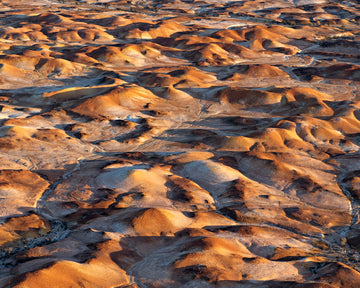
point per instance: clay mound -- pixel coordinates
(130, 177)
(37, 36)
(179, 144)
(13, 136)
(67, 36)
(184, 190)
(248, 97)
(76, 93)
(99, 129)
(197, 265)
(50, 19)
(229, 35)
(15, 231)
(317, 217)
(261, 33)
(95, 35)
(51, 135)
(276, 46)
(219, 246)
(109, 54)
(82, 58)
(256, 45)
(176, 95)
(305, 101)
(39, 50)
(352, 183)
(193, 74)
(20, 190)
(304, 93)
(112, 21)
(131, 54)
(157, 79)
(156, 222)
(287, 32)
(339, 274)
(17, 132)
(271, 140)
(142, 54)
(212, 176)
(91, 275)
(270, 245)
(58, 66)
(31, 32)
(346, 123)
(338, 71)
(343, 71)
(20, 62)
(260, 38)
(162, 29)
(328, 138)
(188, 42)
(254, 71)
(293, 177)
(183, 77)
(219, 54)
(11, 73)
(133, 24)
(119, 101)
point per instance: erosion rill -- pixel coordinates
(179, 143)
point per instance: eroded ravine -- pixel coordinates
(179, 144)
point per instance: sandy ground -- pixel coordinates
(179, 144)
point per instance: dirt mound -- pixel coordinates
(254, 71)
(179, 144)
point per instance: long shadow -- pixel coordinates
(23, 95)
(103, 206)
(136, 250)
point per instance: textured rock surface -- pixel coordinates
(179, 144)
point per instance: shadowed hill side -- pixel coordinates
(179, 144)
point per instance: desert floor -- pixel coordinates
(181, 143)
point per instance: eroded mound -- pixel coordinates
(179, 144)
